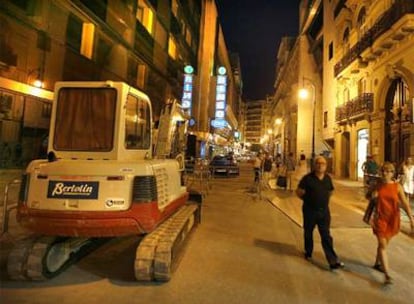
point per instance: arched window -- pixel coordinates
(346, 95)
(401, 93)
(345, 39)
(361, 27)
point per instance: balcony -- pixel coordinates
(371, 45)
(355, 108)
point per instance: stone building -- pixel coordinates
(354, 59)
(144, 43)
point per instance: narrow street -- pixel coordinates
(246, 250)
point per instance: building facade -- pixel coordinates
(371, 78)
(354, 61)
(145, 43)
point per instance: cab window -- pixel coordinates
(137, 124)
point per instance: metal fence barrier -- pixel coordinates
(6, 207)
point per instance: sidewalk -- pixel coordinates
(347, 205)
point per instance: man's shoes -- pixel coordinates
(307, 257)
(337, 265)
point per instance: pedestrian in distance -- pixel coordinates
(267, 168)
(407, 177)
(389, 196)
(370, 169)
(315, 190)
(257, 166)
(290, 170)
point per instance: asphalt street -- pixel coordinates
(247, 249)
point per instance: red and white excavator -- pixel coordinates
(105, 178)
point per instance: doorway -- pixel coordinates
(345, 154)
(362, 151)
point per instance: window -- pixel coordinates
(88, 31)
(80, 35)
(362, 86)
(174, 7)
(74, 32)
(145, 15)
(361, 22)
(401, 93)
(85, 119)
(137, 124)
(345, 40)
(172, 48)
(28, 6)
(346, 95)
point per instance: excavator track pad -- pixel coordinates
(158, 253)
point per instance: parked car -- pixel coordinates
(224, 165)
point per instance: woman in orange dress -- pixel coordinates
(386, 222)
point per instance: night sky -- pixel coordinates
(253, 29)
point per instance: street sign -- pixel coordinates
(219, 123)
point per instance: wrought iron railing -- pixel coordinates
(383, 24)
(363, 104)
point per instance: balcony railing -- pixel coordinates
(384, 23)
(360, 105)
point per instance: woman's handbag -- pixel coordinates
(369, 211)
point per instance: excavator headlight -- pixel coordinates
(144, 189)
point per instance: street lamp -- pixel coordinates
(304, 94)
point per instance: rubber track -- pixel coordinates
(157, 253)
(26, 259)
(17, 259)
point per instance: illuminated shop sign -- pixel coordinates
(187, 100)
(221, 93)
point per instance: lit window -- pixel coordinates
(188, 37)
(88, 31)
(172, 48)
(174, 7)
(145, 15)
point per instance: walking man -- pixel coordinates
(315, 189)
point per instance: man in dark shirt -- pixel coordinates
(315, 189)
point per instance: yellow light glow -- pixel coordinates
(303, 93)
(38, 83)
(278, 121)
(88, 32)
